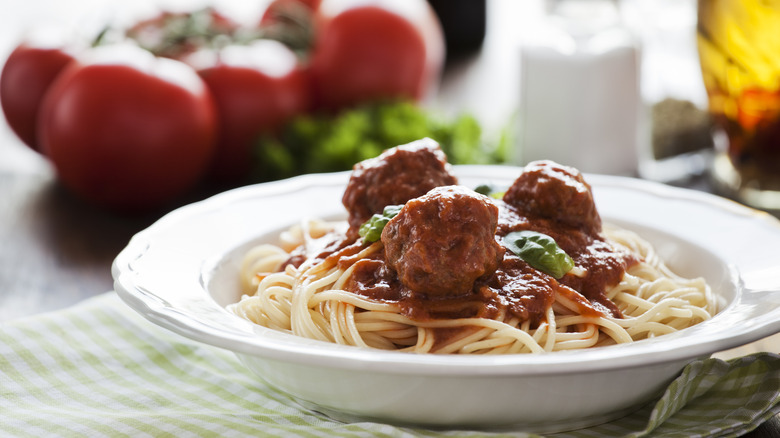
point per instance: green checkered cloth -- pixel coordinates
(99, 369)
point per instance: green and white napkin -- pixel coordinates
(100, 370)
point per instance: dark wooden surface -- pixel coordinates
(56, 251)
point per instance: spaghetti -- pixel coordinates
(309, 301)
(324, 282)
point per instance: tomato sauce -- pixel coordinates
(515, 287)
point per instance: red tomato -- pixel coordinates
(126, 130)
(257, 88)
(27, 74)
(370, 50)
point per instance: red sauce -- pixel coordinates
(604, 265)
(515, 286)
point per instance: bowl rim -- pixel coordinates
(199, 318)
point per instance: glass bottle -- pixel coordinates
(739, 52)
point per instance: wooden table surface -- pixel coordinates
(56, 251)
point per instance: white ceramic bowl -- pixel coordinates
(182, 271)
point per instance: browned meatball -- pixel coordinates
(394, 177)
(552, 191)
(441, 242)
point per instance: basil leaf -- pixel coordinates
(371, 230)
(490, 190)
(540, 251)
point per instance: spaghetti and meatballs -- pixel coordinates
(423, 264)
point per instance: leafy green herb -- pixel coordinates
(328, 143)
(371, 230)
(490, 190)
(540, 251)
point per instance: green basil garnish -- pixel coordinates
(371, 230)
(490, 190)
(540, 251)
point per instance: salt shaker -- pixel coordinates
(580, 99)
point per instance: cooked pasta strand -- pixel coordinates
(311, 301)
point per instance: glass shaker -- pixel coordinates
(677, 128)
(580, 99)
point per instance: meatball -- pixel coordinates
(559, 193)
(394, 177)
(440, 243)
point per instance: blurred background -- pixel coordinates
(483, 75)
(628, 86)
